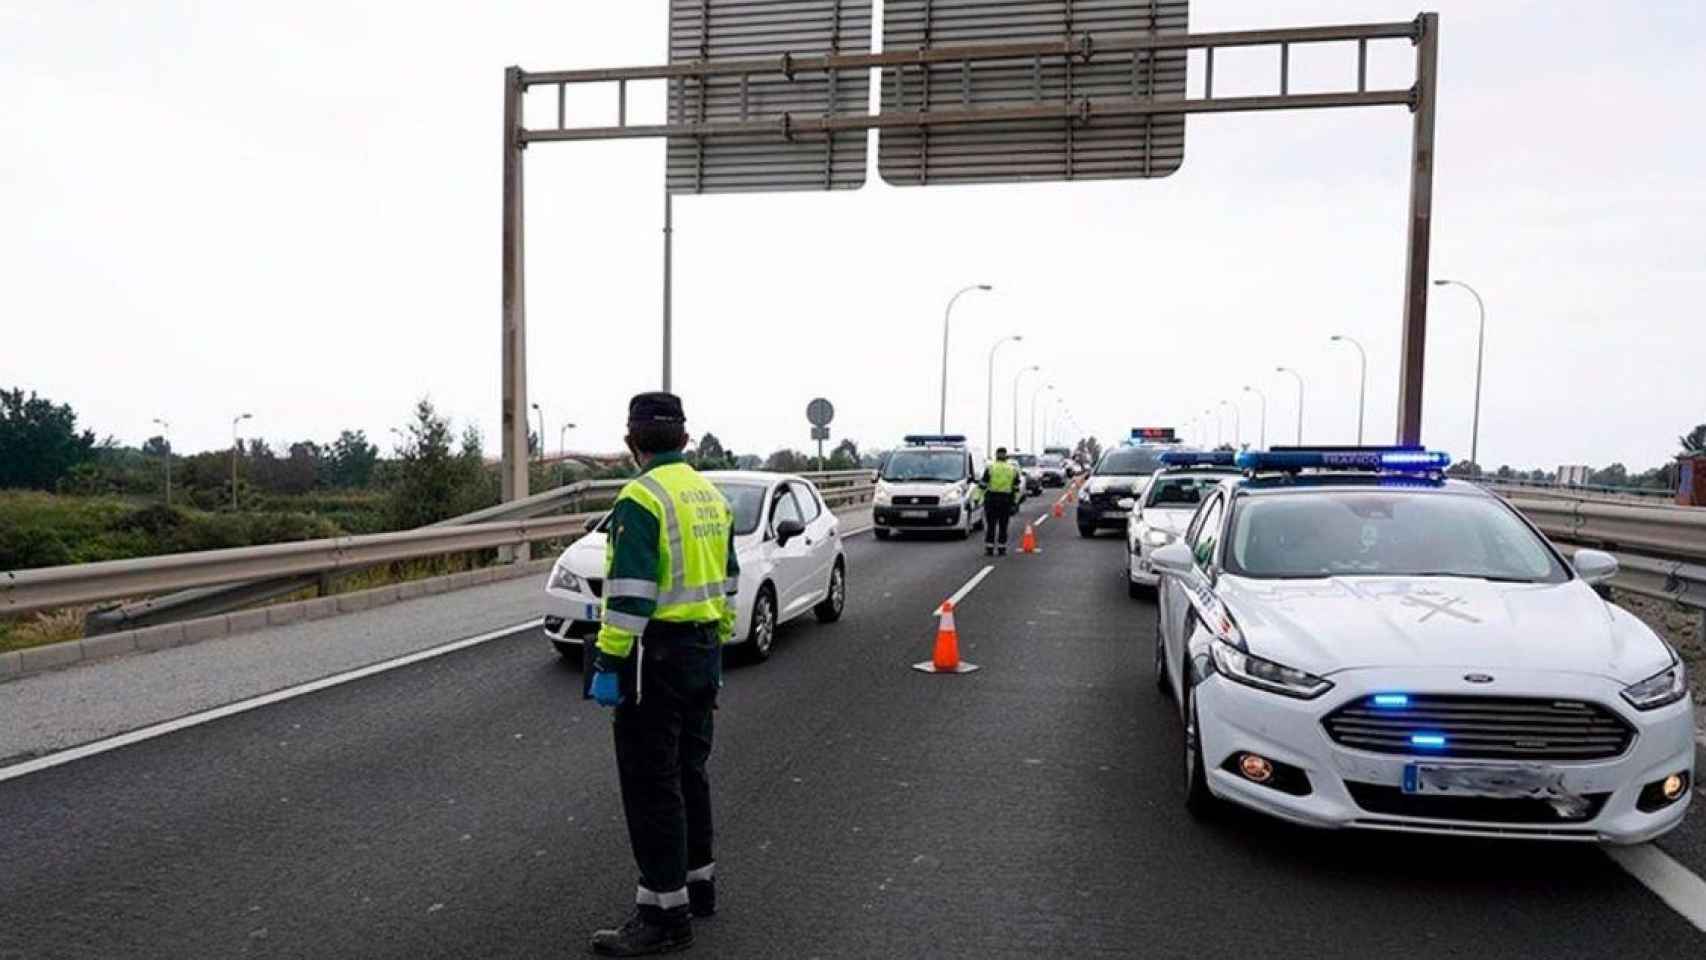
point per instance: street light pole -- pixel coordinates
(942, 419)
(541, 413)
(1480, 350)
(562, 450)
(1033, 368)
(234, 441)
(1237, 424)
(1034, 395)
(989, 427)
(1362, 388)
(1219, 426)
(1262, 443)
(167, 436)
(1299, 377)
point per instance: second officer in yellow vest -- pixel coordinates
(1000, 483)
(670, 579)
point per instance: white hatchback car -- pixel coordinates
(1398, 651)
(791, 563)
(1162, 512)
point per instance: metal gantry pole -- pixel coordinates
(1299, 377)
(512, 439)
(1414, 349)
(947, 315)
(1480, 353)
(668, 285)
(989, 426)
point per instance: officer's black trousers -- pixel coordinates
(997, 510)
(662, 745)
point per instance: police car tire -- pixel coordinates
(568, 651)
(1086, 532)
(1135, 590)
(1199, 802)
(1161, 661)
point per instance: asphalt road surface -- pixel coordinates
(466, 806)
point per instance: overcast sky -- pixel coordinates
(292, 209)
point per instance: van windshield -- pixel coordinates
(925, 466)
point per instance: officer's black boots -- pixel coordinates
(702, 897)
(649, 930)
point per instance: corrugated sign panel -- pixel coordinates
(730, 29)
(1103, 148)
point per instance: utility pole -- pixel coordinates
(234, 449)
(167, 436)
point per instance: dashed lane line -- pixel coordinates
(1674, 883)
(208, 716)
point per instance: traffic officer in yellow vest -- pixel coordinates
(670, 579)
(1000, 499)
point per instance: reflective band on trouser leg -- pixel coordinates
(672, 899)
(672, 527)
(702, 873)
(644, 897)
(639, 589)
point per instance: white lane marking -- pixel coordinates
(207, 716)
(1673, 882)
(854, 533)
(969, 587)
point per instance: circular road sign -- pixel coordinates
(820, 412)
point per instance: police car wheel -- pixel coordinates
(1198, 801)
(1161, 661)
(1086, 532)
(761, 636)
(568, 651)
(829, 609)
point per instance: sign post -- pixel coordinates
(819, 413)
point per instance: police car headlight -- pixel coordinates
(882, 497)
(562, 579)
(1253, 671)
(1158, 538)
(1659, 690)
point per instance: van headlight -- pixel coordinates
(952, 495)
(562, 579)
(882, 497)
(1660, 689)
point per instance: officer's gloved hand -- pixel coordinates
(606, 689)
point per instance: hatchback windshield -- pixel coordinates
(1026, 459)
(1051, 460)
(747, 502)
(1327, 534)
(1129, 462)
(925, 466)
(1178, 492)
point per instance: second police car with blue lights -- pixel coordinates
(1165, 508)
(1354, 640)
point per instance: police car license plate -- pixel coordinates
(1502, 782)
(915, 514)
(594, 612)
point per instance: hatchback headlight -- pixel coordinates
(1660, 689)
(1253, 671)
(1158, 538)
(562, 579)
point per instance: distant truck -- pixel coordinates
(1573, 476)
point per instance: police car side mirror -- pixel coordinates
(1595, 567)
(1175, 559)
(788, 530)
(593, 521)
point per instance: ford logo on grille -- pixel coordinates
(1478, 677)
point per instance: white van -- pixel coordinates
(929, 483)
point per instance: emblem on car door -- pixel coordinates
(1478, 678)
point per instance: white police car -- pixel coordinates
(791, 563)
(930, 483)
(1165, 507)
(1355, 641)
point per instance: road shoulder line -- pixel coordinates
(1672, 882)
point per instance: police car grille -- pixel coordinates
(1491, 728)
(919, 501)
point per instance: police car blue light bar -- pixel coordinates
(1197, 458)
(925, 439)
(1393, 459)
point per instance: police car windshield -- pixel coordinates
(747, 502)
(1129, 462)
(1025, 459)
(1385, 534)
(1177, 492)
(925, 466)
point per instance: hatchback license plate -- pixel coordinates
(1505, 783)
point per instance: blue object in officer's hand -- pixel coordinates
(605, 689)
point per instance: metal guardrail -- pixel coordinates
(1670, 533)
(259, 573)
(1535, 488)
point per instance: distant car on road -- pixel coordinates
(1112, 489)
(791, 563)
(1373, 646)
(1033, 474)
(1051, 468)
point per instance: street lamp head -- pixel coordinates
(1337, 336)
(1441, 283)
(985, 286)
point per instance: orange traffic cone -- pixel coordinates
(1028, 542)
(1059, 509)
(946, 658)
